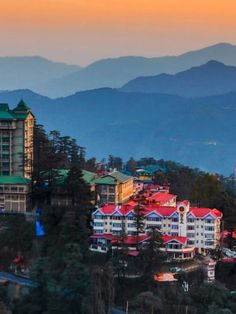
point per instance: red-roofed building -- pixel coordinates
(199, 227)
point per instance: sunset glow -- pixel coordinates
(90, 29)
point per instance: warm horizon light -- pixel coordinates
(82, 31)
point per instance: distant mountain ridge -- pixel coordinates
(211, 78)
(105, 73)
(30, 72)
(199, 132)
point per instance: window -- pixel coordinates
(98, 224)
(116, 225)
(98, 217)
(190, 235)
(175, 219)
(209, 236)
(190, 228)
(209, 221)
(153, 219)
(175, 227)
(131, 225)
(209, 243)
(190, 220)
(209, 228)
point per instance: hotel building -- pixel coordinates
(184, 229)
(16, 140)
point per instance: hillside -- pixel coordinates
(211, 78)
(118, 71)
(30, 72)
(197, 132)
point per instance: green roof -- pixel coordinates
(112, 178)
(22, 106)
(13, 180)
(4, 107)
(88, 176)
(20, 112)
(61, 175)
(6, 115)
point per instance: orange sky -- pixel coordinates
(81, 31)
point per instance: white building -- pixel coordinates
(188, 229)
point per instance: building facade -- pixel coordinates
(114, 188)
(14, 194)
(16, 140)
(187, 228)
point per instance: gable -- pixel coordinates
(153, 215)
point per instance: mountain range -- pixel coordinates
(211, 78)
(31, 72)
(199, 132)
(57, 79)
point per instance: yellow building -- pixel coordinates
(114, 188)
(16, 140)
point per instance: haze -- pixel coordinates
(82, 31)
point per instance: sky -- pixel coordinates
(82, 31)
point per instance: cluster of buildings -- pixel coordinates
(184, 230)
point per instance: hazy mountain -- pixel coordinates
(30, 72)
(197, 132)
(118, 71)
(205, 80)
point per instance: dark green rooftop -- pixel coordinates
(61, 175)
(13, 180)
(19, 113)
(22, 106)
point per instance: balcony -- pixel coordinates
(98, 248)
(180, 250)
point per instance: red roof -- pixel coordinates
(202, 212)
(132, 239)
(167, 238)
(164, 211)
(161, 197)
(102, 236)
(133, 253)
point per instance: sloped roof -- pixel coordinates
(22, 106)
(13, 180)
(167, 238)
(202, 212)
(162, 197)
(61, 175)
(113, 178)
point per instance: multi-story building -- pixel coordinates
(114, 188)
(14, 194)
(187, 228)
(59, 196)
(16, 140)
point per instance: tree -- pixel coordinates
(146, 302)
(139, 222)
(151, 257)
(102, 286)
(115, 162)
(131, 165)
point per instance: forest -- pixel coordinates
(68, 278)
